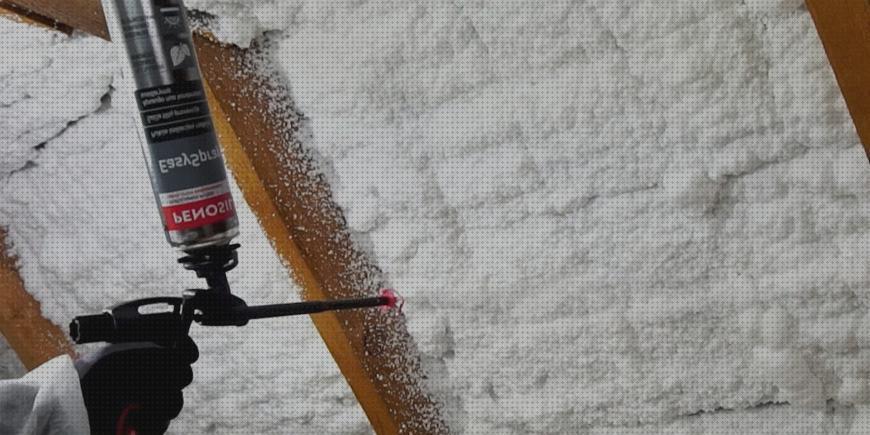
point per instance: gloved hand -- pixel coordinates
(135, 385)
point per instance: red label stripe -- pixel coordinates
(198, 213)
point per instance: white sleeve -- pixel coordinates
(47, 401)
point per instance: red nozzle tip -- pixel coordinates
(393, 300)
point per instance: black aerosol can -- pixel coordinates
(180, 145)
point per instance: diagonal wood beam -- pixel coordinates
(257, 126)
(27, 16)
(374, 351)
(844, 28)
(84, 15)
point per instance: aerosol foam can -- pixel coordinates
(180, 146)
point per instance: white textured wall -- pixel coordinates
(602, 213)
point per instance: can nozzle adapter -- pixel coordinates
(212, 263)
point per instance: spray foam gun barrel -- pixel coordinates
(165, 319)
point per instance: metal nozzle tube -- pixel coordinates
(279, 310)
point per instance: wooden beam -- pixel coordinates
(844, 28)
(257, 126)
(34, 338)
(294, 206)
(84, 15)
(16, 13)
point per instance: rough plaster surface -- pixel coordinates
(602, 213)
(605, 216)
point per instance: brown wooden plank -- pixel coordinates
(84, 15)
(294, 206)
(34, 338)
(16, 13)
(257, 126)
(844, 28)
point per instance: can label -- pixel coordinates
(187, 167)
(189, 212)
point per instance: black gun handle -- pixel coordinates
(132, 321)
